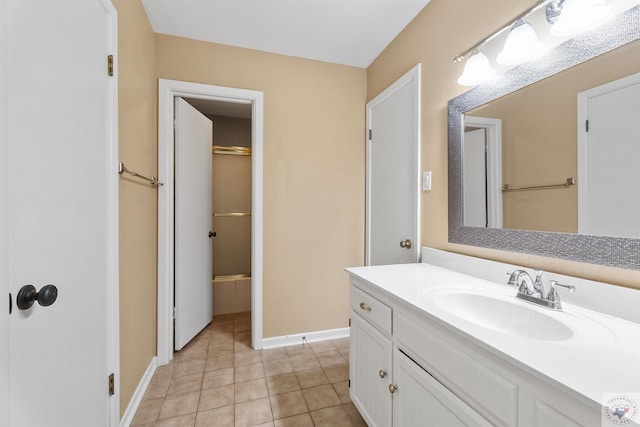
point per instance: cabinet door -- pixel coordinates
(420, 400)
(370, 372)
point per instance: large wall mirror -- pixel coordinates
(530, 168)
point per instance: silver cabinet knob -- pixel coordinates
(392, 388)
(364, 307)
(382, 373)
(406, 244)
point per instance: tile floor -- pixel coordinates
(218, 380)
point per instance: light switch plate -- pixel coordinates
(426, 181)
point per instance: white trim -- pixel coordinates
(138, 394)
(288, 340)
(113, 221)
(167, 91)
(4, 232)
(493, 128)
(583, 141)
(412, 75)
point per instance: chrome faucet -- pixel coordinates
(533, 290)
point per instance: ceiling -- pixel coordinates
(349, 32)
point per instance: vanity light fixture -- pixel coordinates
(578, 16)
(476, 70)
(522, 44)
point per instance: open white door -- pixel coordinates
(60, 223)
(393, 158)
(193, 248)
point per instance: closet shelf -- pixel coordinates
(232, 214)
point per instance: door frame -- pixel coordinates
(409, 77)
(167, 91)
(111, 188)
(583, 142)
(493, 138)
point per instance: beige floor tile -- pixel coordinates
(183, 421)
(194, 352)
(219, 417)
(302, 420)
(334, 416)
(354, 415)
(216, 397)
(295, 350)
(253, 412)
(147, 412)
(189, 368)
(342, 390)
(312, 378)
(284, 383)
(337, 373)
(247, 358)
(251, 390)
(288, 404)
(322, 346)
(185, 384)
(249, 372)
(183, 404)
(242, 326)
(219, 362)
(217, 378)
(158, 387)
(274, 353)
(277, 367)
(321, 396)
(303, 362)
(269, 424)
(220, 349)
(331, 357)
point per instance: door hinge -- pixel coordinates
(370, 133)
(112, 385)
(349, 384)
(110, 65)
(349, 321)
(174, 313)
(586, 125)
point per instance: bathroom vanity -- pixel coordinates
(435, 347)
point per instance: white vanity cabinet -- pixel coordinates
(408, 368)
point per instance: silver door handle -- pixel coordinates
(406, 244)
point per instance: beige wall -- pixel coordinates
(539, 140)
(313, 173)
(443, 28)
(231, 131)
(138, 201)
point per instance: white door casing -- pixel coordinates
(392, 172)
(167, 91)
(608, 154)
(59, 212)
(493, 139)
(474, 181)
(193, 247)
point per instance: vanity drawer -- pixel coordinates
(476, 381)
(370, 308)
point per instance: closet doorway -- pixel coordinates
(236, 218)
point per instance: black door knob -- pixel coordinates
(28, 295)
(212, 234)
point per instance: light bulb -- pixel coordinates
(578, 16)
(521, 45)
(476, 70)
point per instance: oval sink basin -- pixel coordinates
(503, 314)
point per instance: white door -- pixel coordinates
(393, 158)
(608, 150)
(59, 196)
(474, 176)
(193, 247)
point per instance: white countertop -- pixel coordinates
(603, 356)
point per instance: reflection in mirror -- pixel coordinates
(542, 115)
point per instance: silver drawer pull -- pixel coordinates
(364, 307)
(392, 388)
(382, 373)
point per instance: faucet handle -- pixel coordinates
(539, 274)
(553, 296)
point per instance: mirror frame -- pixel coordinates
(609, 251)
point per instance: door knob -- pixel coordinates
(212, 234)
(28, 295)
(406, 244)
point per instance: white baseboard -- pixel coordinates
(136, 399)
(287, 340)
